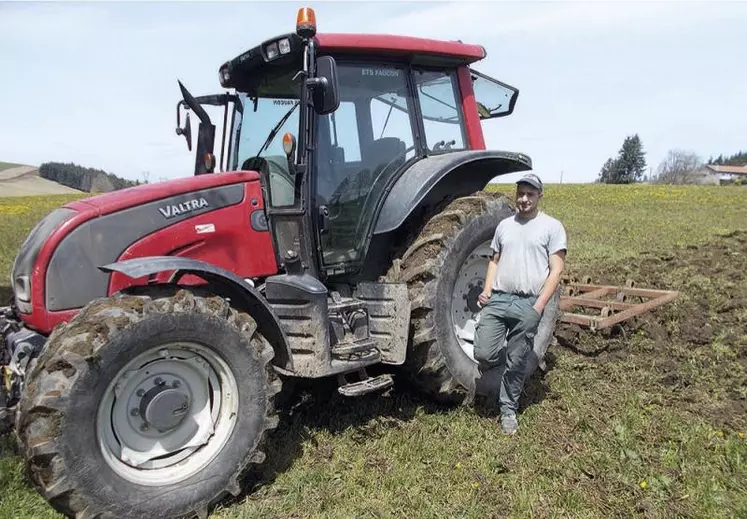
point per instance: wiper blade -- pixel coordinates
(276, 129)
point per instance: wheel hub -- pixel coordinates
(465, 308)
(164, 408)
(167, 413)
(472, 295)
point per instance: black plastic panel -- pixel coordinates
(300, 302)
(73, 277)
(31, 246)
(474, 168)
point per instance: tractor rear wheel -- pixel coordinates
(148, 406)
(444, 268)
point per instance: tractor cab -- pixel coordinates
(332, 120)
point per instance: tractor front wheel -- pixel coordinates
(148, 406)
(444, 268)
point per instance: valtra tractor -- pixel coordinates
(151, 329)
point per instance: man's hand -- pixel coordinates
(484, 297)
(557, 264)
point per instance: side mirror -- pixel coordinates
(326, 88)
(186, 131)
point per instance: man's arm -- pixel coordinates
(557, 264)
(487, 289)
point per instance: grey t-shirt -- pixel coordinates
(525, 247)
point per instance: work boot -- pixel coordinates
(509, 424)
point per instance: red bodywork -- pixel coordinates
(234, 245)
(392, 45)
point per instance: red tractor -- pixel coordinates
(152, 328)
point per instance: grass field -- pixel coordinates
(647, 423)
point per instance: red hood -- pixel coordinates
(138, 195)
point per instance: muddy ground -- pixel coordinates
(696, 346)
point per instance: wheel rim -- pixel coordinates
(465, 312)
(167, 414)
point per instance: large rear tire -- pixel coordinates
(148, 406)
(444, 268)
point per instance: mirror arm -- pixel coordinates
(317, 82)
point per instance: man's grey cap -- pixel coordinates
(532, 180)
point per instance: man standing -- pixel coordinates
(528, 258)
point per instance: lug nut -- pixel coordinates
(158, 381)
(144, 427)
(176, 383)
(135, 412)
(140, 392)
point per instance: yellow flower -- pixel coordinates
(475, 484)
(720, 434)
(643, 484)
(740, 435)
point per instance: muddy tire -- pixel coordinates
(443, 272)
(150, 405)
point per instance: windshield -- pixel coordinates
(269, 112)
(259, 121)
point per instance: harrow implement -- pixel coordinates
(604, 306)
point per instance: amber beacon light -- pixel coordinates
(306, 22)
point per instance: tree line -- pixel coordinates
(89, 180)
(679, 166)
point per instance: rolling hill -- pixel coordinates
(20, 180)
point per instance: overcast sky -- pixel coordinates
(95, 83)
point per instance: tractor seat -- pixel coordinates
(382, 151)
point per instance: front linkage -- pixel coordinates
(18, 347)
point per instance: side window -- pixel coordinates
(343, 127)
(340, 151)
(390, 118)
(494, 99)
(442, 111)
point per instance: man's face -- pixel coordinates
(527, 198)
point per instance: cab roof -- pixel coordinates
(237, 72)
(408, 47)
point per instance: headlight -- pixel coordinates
(272, 50)
(22, 288)
(224, 76)
(277, 48)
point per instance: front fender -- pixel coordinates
(225, 284)
(451, 174)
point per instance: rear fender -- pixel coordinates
(223, 283)
(437, 177)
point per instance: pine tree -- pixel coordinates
(608, 173)
(628, 167)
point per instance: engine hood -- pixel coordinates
(131, 197)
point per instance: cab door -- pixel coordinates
(361, 146)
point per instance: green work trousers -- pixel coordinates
(504, 336)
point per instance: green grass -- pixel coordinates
(614, 222)
(648, 423)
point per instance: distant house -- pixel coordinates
(715, 174)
